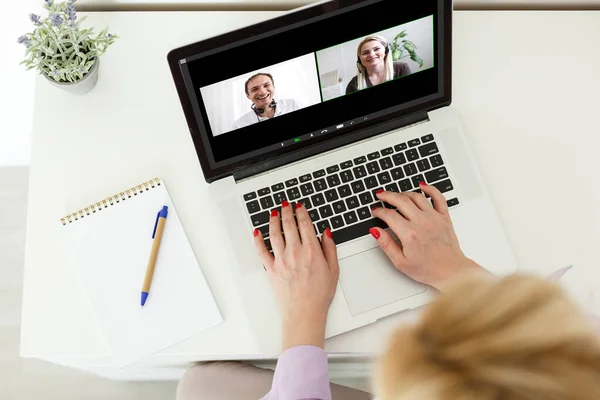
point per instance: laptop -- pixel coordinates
(266, 129)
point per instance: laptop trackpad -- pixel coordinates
(370, 280)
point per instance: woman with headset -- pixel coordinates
(375, 64)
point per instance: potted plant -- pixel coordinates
(64, 53)
(401, 45)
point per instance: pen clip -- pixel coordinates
(155, 224)
(162, 213)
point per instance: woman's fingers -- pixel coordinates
(420, 201)
(266, 258)
(330, 252)
(277, 242)
(402, 202)
(305, 226)
(390, 247)
(395, 221)
(290, 229)
(439, 201)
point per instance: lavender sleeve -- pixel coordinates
(301, 374)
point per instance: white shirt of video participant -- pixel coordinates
(261, 91)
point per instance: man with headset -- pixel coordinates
(260, 90)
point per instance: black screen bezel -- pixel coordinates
(216, 170)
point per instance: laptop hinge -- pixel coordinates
(386, 126)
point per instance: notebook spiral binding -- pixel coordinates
(112, 200)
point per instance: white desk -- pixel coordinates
(526, 83)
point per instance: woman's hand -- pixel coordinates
(429, 250)
(303, 272)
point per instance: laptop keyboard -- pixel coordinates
(341, 196)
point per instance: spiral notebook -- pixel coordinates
(108, 243)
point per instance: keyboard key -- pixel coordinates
(436, 161)
(365, 198)
(374, 192)
(322, 225)
(399, 159)
(360, 172)
(386, 163)
(428, 149)
(412, 155)
(314, 215)
(397, 173)
(333, 180)
(364, 213)
(319, 174)
(436, 174)
(250, 196)
(305, 178)
(373, 156)
(253, 207)
(360, 160)
(357, 186)
(427, 138)
(333, 169)
(414, 142)
(326, 211)
(346, 165)
(410, 169)
(371, 182)
(291, 182)
(452, 202)
(318, 200)
(379, 204)
(358, 230)
(344, 191)
(267, 202)
(320, 185)
(331, 195)
(444, 186)
(352, 202)
(339, 207)
(293, 194)
(387, 152)
(306, 203)
(337, 222)
(279, 197)
(260, 218)
(392, 187)
(346, 176)
(405, 185)
(417, 179)
(264, 192)
(278, 187)
(423, 165)
(384, 178)
(350, 217)
(373, 167)
(264, 230)
(307, 189)
(400, 147)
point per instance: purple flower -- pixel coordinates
(48, 2)
(109, 35)
(71, 13)
(24, 40)
(56, 19)
(35, 19)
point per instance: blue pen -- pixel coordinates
(159, 227)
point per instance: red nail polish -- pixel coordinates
(274, 213)
(375, 233)
(421, 183)
(298, 205)
(379, 191)
(285, 203)
(328, 233)
(255, 232)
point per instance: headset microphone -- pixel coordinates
(260, 111)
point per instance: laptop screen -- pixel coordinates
(301, 82)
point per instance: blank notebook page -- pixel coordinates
(110, 247)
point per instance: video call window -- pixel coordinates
(258, 96)
(374, 59)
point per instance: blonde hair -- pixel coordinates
(361, 77)
(517, 337)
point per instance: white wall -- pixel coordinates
(16, 84)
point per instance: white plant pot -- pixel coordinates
(82, 86)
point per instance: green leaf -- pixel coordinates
(415, 58)
(400, 35)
